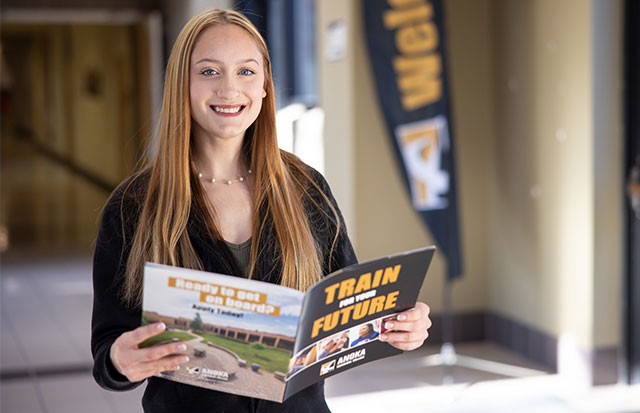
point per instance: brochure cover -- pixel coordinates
(263, 340)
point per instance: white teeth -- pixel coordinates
(227, 110)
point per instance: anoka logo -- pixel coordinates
(351, 357)
(423, 145)
(215, 374)
(327, 367)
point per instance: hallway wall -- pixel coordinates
(536, 116)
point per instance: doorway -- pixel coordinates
(76, 111)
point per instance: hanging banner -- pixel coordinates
(406, 47)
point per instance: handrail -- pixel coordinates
(94, 179)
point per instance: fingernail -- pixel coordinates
(383, 337)
(184, 359)
(402, 317)
(389, 325)
(182, 347)
(160, 326)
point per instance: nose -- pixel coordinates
(228, 88)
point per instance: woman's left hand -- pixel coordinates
(409, 330)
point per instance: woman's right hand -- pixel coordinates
(139, 363)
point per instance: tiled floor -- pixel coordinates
(45, 361)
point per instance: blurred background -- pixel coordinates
(545, 112)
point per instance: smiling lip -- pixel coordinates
(227, 110)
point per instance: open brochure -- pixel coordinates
(263, 340)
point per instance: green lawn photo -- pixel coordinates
(269, 358)
(167, 336)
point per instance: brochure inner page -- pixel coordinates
(240, 333)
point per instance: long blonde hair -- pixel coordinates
(281, 179)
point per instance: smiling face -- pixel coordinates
(365, 330)
(226, 82)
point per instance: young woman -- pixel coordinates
(218, 196)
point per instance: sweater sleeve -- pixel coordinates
(111, 317)
(338, 251)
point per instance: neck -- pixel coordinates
(221, 158)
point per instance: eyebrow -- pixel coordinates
(206, 59)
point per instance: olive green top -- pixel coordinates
(242, 254)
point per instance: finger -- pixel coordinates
(140, 334)
(154, 353)
(168, 363)
(134, 337)
(404, 337)
(419, 311)
(394, 325)
(144, 370)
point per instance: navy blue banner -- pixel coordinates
(406, 48)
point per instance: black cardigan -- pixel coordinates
(111, 317)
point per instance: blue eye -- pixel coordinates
(247, 72)
(209, 72)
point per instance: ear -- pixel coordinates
(264, 93)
